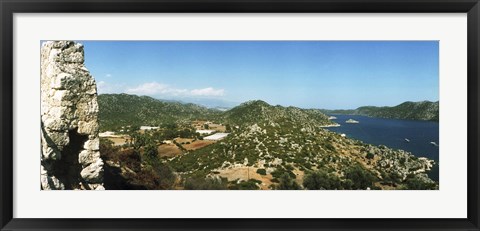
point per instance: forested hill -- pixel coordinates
(116, 110)
(279, 147)
(424, 110)
(257, 111)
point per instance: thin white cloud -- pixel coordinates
(155, 88)
(108, 75)
(209, 91)
(101, 87)
(108, 88)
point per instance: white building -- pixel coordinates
(148, 128)
(205, 132)
(106, 134)
(216, 136)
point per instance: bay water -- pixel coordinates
(410, 135)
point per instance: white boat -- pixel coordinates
(407, 140)
(332, 118)
(351, 121)
(434, 144)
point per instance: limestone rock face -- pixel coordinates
(69, 126)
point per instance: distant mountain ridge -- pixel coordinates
(116, 110)
(424, 110)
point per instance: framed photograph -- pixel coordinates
(258, 115)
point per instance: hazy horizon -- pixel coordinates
(305, 74)
(234, 104)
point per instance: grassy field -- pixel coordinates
(197, 144)
(168, 150)
(118, 141)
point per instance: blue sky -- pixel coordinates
(307, 74)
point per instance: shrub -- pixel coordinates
(360, 177)
(416, 183)
(289, 167)
(329, 146)
(277, 173)
(291, 174)
(150, 153)
(198, 183)
(370, 155)
(391, 178)
(280, 171)
(321, 180)
(287, 183)
(129, 158)
(166, 175)
(262, 171)
(107, 150)
(246, 185)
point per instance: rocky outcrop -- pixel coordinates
(70, 157)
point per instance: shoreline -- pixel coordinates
(380, 117)
(330, 126)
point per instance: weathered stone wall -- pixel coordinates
(70, 156)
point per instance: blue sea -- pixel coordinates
(392, 133)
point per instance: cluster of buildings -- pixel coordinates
(209, 134)
(215, 131)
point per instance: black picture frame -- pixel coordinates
(10, 7)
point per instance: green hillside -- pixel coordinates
(258, 111)
(424, 110)
(284, 147)
(117, 110)
(288, 142)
